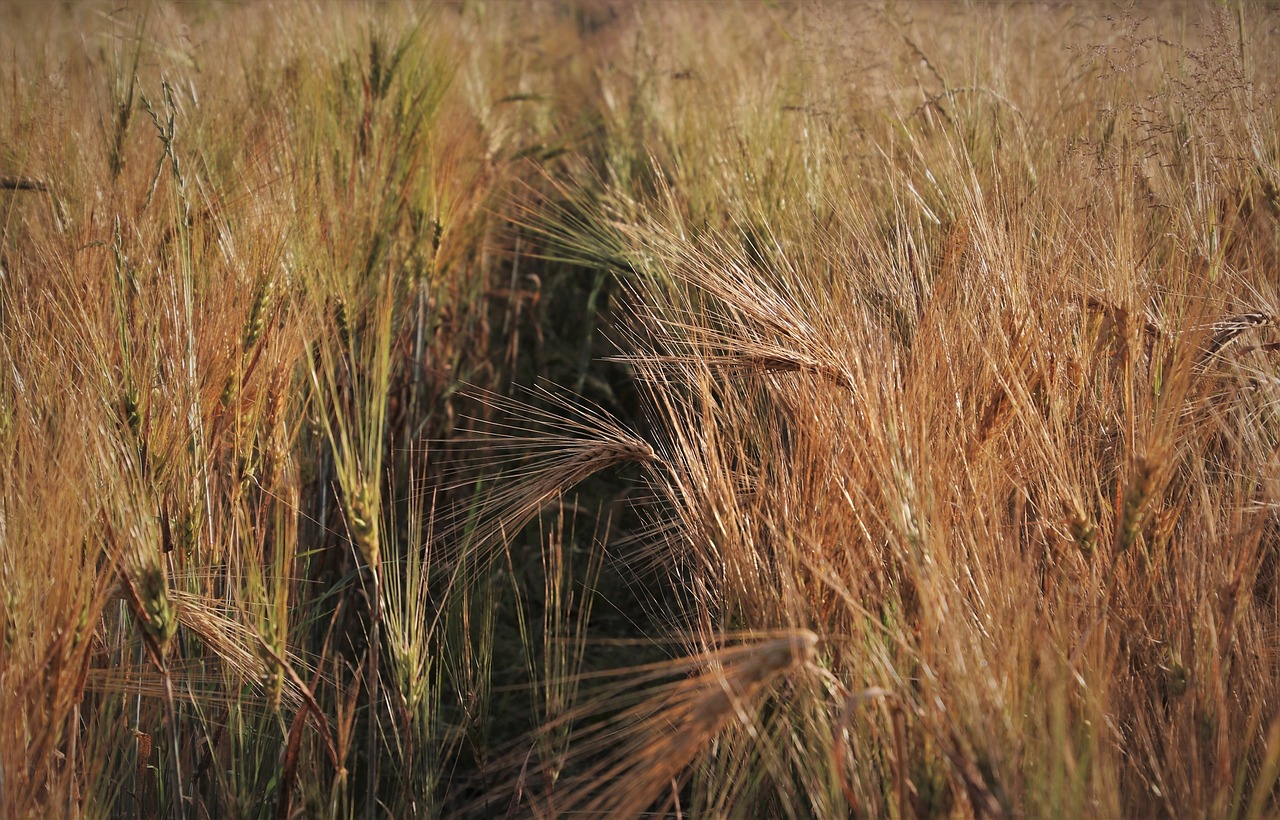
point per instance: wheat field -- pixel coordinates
(639, 409)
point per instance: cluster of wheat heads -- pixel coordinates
(249, 256)
(977, 383)
(948, 486)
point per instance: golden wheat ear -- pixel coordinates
(1227, 331)
(19, 183)
(644, 727)
(522, 463)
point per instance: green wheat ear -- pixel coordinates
(158, 615)
(360, 508)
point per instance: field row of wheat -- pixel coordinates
(590, 408)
